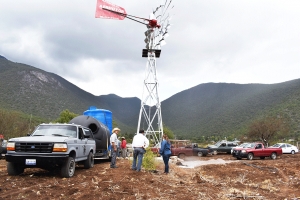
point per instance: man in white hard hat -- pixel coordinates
(114, 147)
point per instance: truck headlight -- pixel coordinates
(60, 147)
(243, 151)
(10, 146)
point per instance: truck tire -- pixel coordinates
(215, 152)
(89, 162)
(181, 156)
(200, 154)
(273, 156)
(14, 169)
(68, 168)
(250, 156)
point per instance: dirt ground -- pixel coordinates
(256, 179)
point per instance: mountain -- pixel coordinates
(207, 109)
(34, 91)
(226, 109)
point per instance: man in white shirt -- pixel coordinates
(114, 146)
(139, 144)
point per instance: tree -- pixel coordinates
(65, 116)
(267, 129)
(16, 124)
(168, 132)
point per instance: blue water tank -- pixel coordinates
(104, 116)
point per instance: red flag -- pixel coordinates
(101, 13)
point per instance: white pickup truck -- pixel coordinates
(52, 146)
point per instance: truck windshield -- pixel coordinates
(250, 145)
(55, 130)
(218, 144)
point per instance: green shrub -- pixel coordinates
(149, 162)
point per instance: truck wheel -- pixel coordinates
(200, 154)
(215, 152)
(293, 152)
(14, 169)
(89, 162)
(250, 156)
(68, 168)
(181, 156)
(273, 156)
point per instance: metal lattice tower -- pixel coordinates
(150, 118)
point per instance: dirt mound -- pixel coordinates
(256, 179)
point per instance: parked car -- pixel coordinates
(189, 150)
(239, 146)
(287, 148)
(183, 148)
(223, 146)
(256, 149)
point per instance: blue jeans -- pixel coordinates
(166, 161)
(138, 153)
(113, 158)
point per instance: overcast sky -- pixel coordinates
(232, 41)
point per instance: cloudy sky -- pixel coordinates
(232, 41)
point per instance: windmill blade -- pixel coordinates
(163, 18)
(157, 9)
(162, 10)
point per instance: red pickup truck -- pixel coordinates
(256, 150)
(189, 149)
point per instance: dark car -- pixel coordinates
(223, 146)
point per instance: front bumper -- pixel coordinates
(239, 154)
(40, 160)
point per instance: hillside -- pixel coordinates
(226, 109)
(211, 109)
(34, 91)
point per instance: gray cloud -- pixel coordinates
(249, 41)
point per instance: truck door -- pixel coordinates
(222, 147)
(189, 150)
(81, 144)
(258, 150)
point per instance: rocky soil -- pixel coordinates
(256, 179)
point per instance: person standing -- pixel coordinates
(123, 147)
(118, 148)
(114, 147)
(165, 152)
(139, 144)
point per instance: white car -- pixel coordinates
(287, 148)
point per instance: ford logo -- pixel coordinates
(32, 147)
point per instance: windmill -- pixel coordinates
(150, 118)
